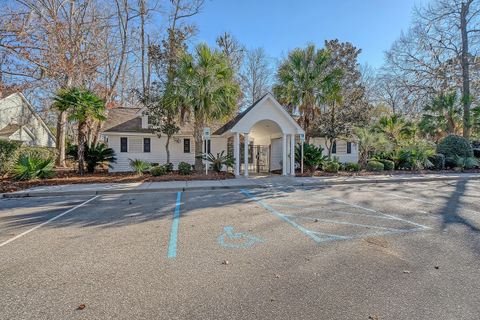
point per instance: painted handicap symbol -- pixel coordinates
(231, 239)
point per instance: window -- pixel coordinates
(334, 147)
(146, 144)
(349, 147)
(123, 144)
(186, 145)
(208, 149)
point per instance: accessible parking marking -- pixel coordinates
(318, 236)
(48, 221)
(172, 245)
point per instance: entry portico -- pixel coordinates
(268, 129)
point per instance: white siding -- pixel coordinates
(14, 110)
(157, 152)
(341, 153)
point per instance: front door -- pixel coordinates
(261, 158)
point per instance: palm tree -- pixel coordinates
(301, 81)
(209, 90)
(395, 128)
(370, 142)
(442, 117)
(83, 106)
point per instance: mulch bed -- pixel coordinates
(65, 177)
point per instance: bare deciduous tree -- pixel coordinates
(256, 75)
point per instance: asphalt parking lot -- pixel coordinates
(386, 251)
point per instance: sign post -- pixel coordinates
(206, 138)
(302, 140)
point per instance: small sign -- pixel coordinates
(302, 137)
(206, 133)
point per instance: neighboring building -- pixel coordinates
(20, 122)
(269, 131)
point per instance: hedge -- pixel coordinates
(438, 161)
(374, 165)
(11, 152)
(331, 166)
(387, 164)
(453, 146)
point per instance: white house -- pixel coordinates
(269, 131)
(20, 122)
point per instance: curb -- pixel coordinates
(236, 187)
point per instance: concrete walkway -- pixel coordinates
(239, 183)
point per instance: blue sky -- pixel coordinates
(281, 25)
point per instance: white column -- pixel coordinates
(284, 155)
(292, 154)
(245, 153)
(236, 153)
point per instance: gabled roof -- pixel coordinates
(31, 108)
(230, 124)
(9, 129)
(118, 116)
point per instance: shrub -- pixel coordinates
(217, 162)
(28, 168)
(139, 166)
(331, 166)
(476, 148)
(416, 155)
(95, 156)
(184, 168)
(387, 164)
(313, 157)
(374, 165)
(154, 164)
(158, 171)
(466, 162)
(11, 152)
(7, 152)
(438, 161)
(168, 167)
(351, 167)
(452, 146)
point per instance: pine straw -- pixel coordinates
(62, 178)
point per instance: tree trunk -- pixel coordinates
(82, 128)
(167, 148)
(61, 128)
(465, 70)
(197, 134)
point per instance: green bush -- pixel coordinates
(95, 156)
(158, 171)
(351, 167)
(374, 165)
(139, 166)
(29, 167)
(168, 167)
(313, 157)
(466, 162)
(184, 168)
(11, 152)
(387, 164)
(438, 161)
(416, 155)
(7, 153)
(331, 166)
(217, 162)
(453, 146)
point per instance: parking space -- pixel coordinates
(339, 252)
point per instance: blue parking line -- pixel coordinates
(172, 246)
(283, 217)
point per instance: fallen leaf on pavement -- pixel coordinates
(81, 307)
